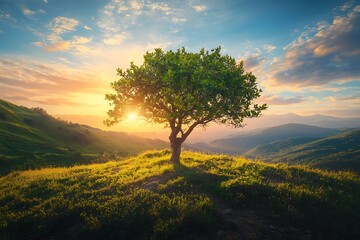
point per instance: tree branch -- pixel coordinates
(191, 128)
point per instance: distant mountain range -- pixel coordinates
(340, 151)
(30, 138)
(239, 144)
(329, 148)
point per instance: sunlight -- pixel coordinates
(132, 116)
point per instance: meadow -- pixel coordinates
(205, 197)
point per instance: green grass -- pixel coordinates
(145, 197)
(30, 139)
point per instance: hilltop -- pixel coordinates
(31, 138)
(206, 197)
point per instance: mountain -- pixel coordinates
(338, 152)
(318, 120)
(206, 197)
(31, 138)
(243, 143)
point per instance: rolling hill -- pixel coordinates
(340, 152)
(206, 197)
(243, 143)
(30, 138)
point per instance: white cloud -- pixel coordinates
(136, 5)
(199, 8)
(279, 100)
(178, 20)
(28, 12)
(54, 41)
(61, 25)
(116, 39)
(269, 48)
(88, 28)
(45, 1)
(80, 40)
(6, 16)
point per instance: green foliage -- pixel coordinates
(194, 87)
(145, 197)
(30, 138)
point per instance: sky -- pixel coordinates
(62, 55)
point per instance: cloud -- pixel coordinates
(323, 54)
(269, 48)
(45, 1)
(88, 28)
(160, 6)
(116, 39)
(62, 25)
(278, 100)
(6, 16)
(199, 8)
(80, 40)
(178, 20)
(57, 46)
(253, 61)
(118, 18)
(53, 40)
(28, 12)
(346, 6)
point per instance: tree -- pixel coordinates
(184, 90)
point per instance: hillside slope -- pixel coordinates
(338, 152)
(206, 197)
(30, 138)
(243, 143)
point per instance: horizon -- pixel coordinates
(62, 55)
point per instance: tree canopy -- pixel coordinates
(183, 90)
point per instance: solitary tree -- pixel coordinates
(184, 90)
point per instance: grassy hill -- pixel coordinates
(30, 138)
(243, 143)
(338, 152)
(206, 197)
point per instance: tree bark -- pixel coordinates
(176, 150)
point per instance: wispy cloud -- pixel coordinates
(88, 28)
(325, 53)
(4, 16)
(269, 48)
(116, 39)
(278, 100)
(54, 41)
(199, 8)
(28, 12)
(120, 18)
(62, 25)
(178, 20)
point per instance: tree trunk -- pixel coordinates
(176, 150)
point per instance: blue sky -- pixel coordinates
(62, 54)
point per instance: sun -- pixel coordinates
(132, 116)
